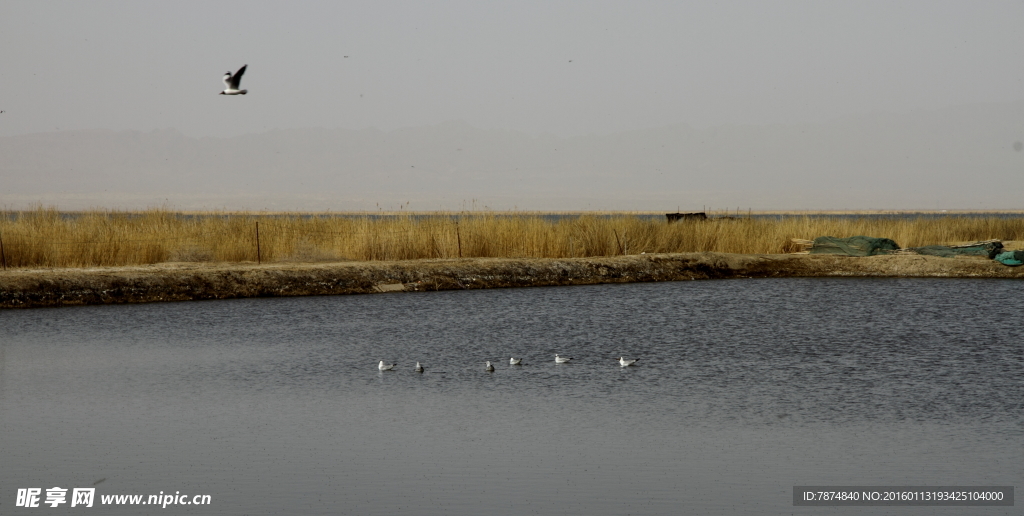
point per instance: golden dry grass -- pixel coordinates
(48, 238)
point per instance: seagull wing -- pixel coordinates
(235, 80)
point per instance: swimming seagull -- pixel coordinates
(489, 366)
(515, 361)
(232, 82)
(419, 368)
(385, 367)
(623, 362)
(561, 360)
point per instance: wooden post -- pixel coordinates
(259, 259)
(621, 249)
(3, 257)
(458, 236)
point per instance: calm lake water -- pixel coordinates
(744, 389)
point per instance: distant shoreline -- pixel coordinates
(29, 288)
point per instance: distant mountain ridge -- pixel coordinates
(957, 158)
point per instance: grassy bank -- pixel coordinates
(47, 238)
(26, 288)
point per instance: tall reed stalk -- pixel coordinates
(47, 238)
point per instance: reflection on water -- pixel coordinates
(744, 388)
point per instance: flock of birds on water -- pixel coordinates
(512, 361)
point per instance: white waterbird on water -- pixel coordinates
(561, 360)
(232, 81)
(515, 361)
(419, 368)
(623, 362)
(385, 367)
(489, 366)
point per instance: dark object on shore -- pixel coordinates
(1011, 258)
(853, 246)
(672, 217)
(988, 249)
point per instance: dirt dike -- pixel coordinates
(25, 288)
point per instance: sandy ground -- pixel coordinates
(193, 281)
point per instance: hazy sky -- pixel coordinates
(566, 68)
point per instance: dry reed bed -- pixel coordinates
(48, 238)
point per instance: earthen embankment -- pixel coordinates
(23, 288)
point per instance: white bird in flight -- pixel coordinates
(515, 361)
(623, 362)
(489, 366)
(385, 367)
(232, 82)
(561, 360)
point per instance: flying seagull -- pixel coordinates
(232, 82)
